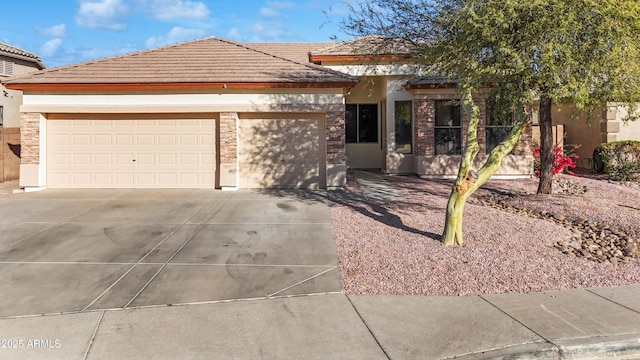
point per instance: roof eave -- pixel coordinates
(177, 86)
(318, 59)
(38, 62)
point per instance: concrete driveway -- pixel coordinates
(76, 250)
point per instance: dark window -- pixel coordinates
(448, 128)
(351, 123)
(404, 127)
(1, 115)
(499, 124)
(361, 123)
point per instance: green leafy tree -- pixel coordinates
(583, 51)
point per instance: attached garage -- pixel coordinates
(208, 113)
(131, 151)
(281, 150)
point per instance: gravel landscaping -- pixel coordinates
(515, 241)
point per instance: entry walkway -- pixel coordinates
(375, 186)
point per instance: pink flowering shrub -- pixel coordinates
(561, 162)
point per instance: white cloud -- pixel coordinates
(56, 31)
(234, 34)
(268, 12)
(177, 34)
(102, 14)
(50, 48)
(178, 9)
(273, 31)
(281, 5)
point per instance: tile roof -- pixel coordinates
(366, 45)
(207, 60)
(430, 81)
(293, 51)
(12, 51)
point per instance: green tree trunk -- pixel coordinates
(546, 146)
(468, 180)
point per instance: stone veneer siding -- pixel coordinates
(424, 113)
(336, 138)
(30, 138)
(228, 138)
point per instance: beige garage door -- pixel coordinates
(281, 150)
(131, 151)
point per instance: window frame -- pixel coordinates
(488, 126)
(453, 127)
(411, 130)
(358, 121)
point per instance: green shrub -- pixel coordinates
(621, 160)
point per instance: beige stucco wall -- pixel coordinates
(11, 105)
(329, 102)
(397, 163)
(512, 166)
(371, 90)
(578, 131)
(618, 126)
(229, 101)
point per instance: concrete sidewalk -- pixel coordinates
(575, 324)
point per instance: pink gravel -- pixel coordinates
(389, 247)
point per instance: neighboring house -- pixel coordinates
(609, 124)
(13, 61)
(217, 113)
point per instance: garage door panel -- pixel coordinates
(81, 178)
(103, 139)
(145, 159)
(146, 139)
(113, 151)
(82, 158)
(103, 159)
(122, 139)
(167, 159)
(102, 179)
(280, 151)
(148, 179)
(190, 139)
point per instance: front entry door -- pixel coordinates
(363, 137)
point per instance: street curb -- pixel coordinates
(608, 347)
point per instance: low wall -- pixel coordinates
(9, 155)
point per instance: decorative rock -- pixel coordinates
(588, 240)
(559, 217)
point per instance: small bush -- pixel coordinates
(564, 160)
(621, 160)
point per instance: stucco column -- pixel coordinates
(336, 155)
(32, 151)
(611, 127)
(229, 150)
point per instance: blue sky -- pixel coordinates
(70, 31)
